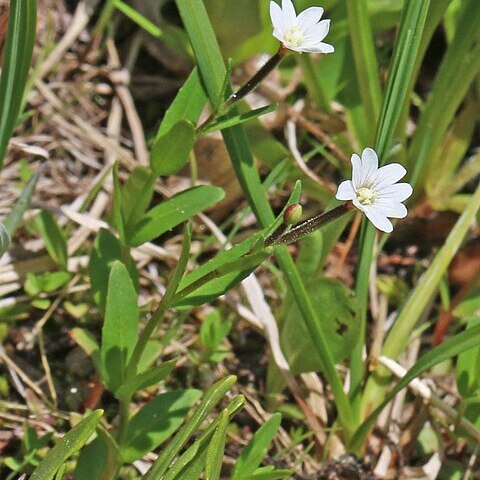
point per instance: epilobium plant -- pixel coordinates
(302, 33)
(374, 190)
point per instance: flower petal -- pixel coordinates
(369, 167)
(395, 193)
(379, 220)
(309, 17)
(289, 14)
(316, 33)
(317, 48)
(356, 171)
(358, 205)
(276, 15)
(392, 209)
(389, 174)
(345, 191)
(278, 35)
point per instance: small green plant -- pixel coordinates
(318, 324)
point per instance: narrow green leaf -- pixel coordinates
(174, 211)
(67, 446)
(170, 152)
(5, 239)
(458, 70)
(203, 440)
(400, 72)
(120, 327)
(146, 379)
(172, 286)
(236, 119)
(14, 218)
(138, 18)
(255, 451)
(273, 475)
(156, 422)
(117, 206)
(188, 104)
(366, 64)
(17, 58)
(219, 281)
(211, 398)
(214, 458)
(462, 342)
(53, 237)
(194, 469)
(225, 257)
(136, 196)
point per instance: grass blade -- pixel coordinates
(18, 55)
(366, 64)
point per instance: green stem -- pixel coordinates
(243, 91)
(124, 415)
(145, 335)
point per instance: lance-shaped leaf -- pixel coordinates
(67, 446)
(120, 328)
(174, 211)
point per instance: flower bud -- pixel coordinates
(292, 214)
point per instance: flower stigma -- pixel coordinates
(366, 196)
(294, 36)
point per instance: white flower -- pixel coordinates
(303, 33)
(374, 190)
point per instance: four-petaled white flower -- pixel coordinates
(304, 33)
(374, 190)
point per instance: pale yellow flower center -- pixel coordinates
(294, 36)
(366, 196)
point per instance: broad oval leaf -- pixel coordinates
(156, 421)
(174, 211)
(120, 328)
(107, 249)
(338, 317)
(170, 151)
(188, 104)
